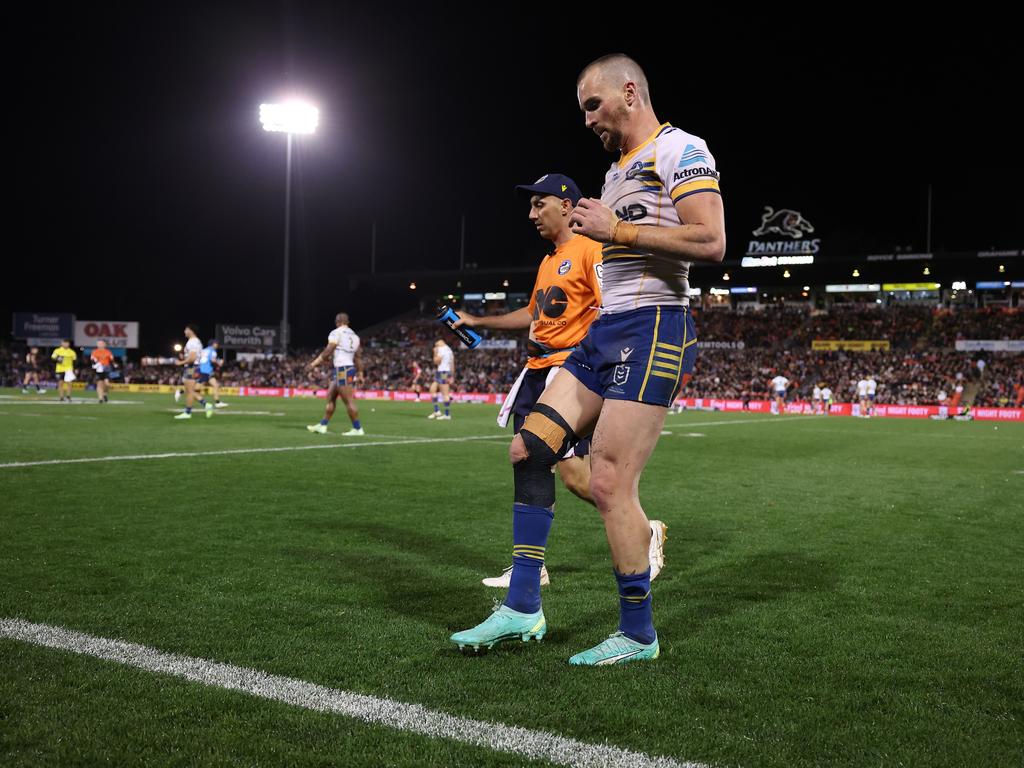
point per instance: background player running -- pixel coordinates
(343, 347)
(566, 299)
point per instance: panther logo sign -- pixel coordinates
(783, 222)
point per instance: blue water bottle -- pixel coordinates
(467, 336)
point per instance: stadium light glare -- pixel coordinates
(807, 287)
(412, 286)
(726, 276)
(1002, 268)
(504, 283)
(856, 272)
(289, 117)
(786, 274)
(926, 271)
(177, 347)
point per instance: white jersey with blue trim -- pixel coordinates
(193, 345)
(346, 343)
(643, 188)
(447, 358)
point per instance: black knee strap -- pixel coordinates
(546, 436)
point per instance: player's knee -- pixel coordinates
(545, 437)
(606, 486)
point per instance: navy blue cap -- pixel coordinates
(555, 184)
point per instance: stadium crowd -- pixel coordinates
(741, 352)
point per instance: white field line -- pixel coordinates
(231, 412)
(14, 400)
(764, 420)
(235, 451)
(413, 718)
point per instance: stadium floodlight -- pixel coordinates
(289, 118)
(726, 276)
(177, 347)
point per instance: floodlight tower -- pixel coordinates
(290, 118)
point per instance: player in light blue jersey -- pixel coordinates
(209, 363)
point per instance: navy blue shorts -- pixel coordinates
(645, 355)
(203, 378)
(345, 376)
(534, 383)
(443, 377)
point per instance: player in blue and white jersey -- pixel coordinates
(660, 209)
(343, 348)
(444, 364)
(189, 360)
(206, 371)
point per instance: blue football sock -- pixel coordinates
(355, 424)
(635, 619)
(188, 409)
(202, 402)
(447, 406)
(324, 421)
(530, 527)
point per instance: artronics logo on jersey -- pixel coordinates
(690, 173)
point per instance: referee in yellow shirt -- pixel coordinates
(65, 357)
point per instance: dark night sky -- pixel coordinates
(147, 190)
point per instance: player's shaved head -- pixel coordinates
(341, 319)
(616, 70)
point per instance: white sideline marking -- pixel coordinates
(231, 412)
(233, 451)
(15, 400)
(694, 434)
(765, 420)
(39, 416)
(414, 718)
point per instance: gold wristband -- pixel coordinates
(624, 233)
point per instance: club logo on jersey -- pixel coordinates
(620, 374)
(634, 169)
(632, 212)
(564, 267)
(625, 352)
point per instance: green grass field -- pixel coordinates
(837, 591)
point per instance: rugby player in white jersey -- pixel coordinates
(862, 398)
(780, 384)
(660, 209)
(826, 399)
(872, 388)
(343, 347)
(444, 371)
(816, 399)
(189, 360)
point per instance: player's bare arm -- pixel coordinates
(328, 351)
(701, 238)
(509, 321)
(358, 359)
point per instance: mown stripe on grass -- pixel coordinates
(414, 718)
(236, 451)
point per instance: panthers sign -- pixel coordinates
(782, 239)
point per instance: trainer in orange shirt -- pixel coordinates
(566, 300)
(102, 360)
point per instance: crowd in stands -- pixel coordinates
(921, 363)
